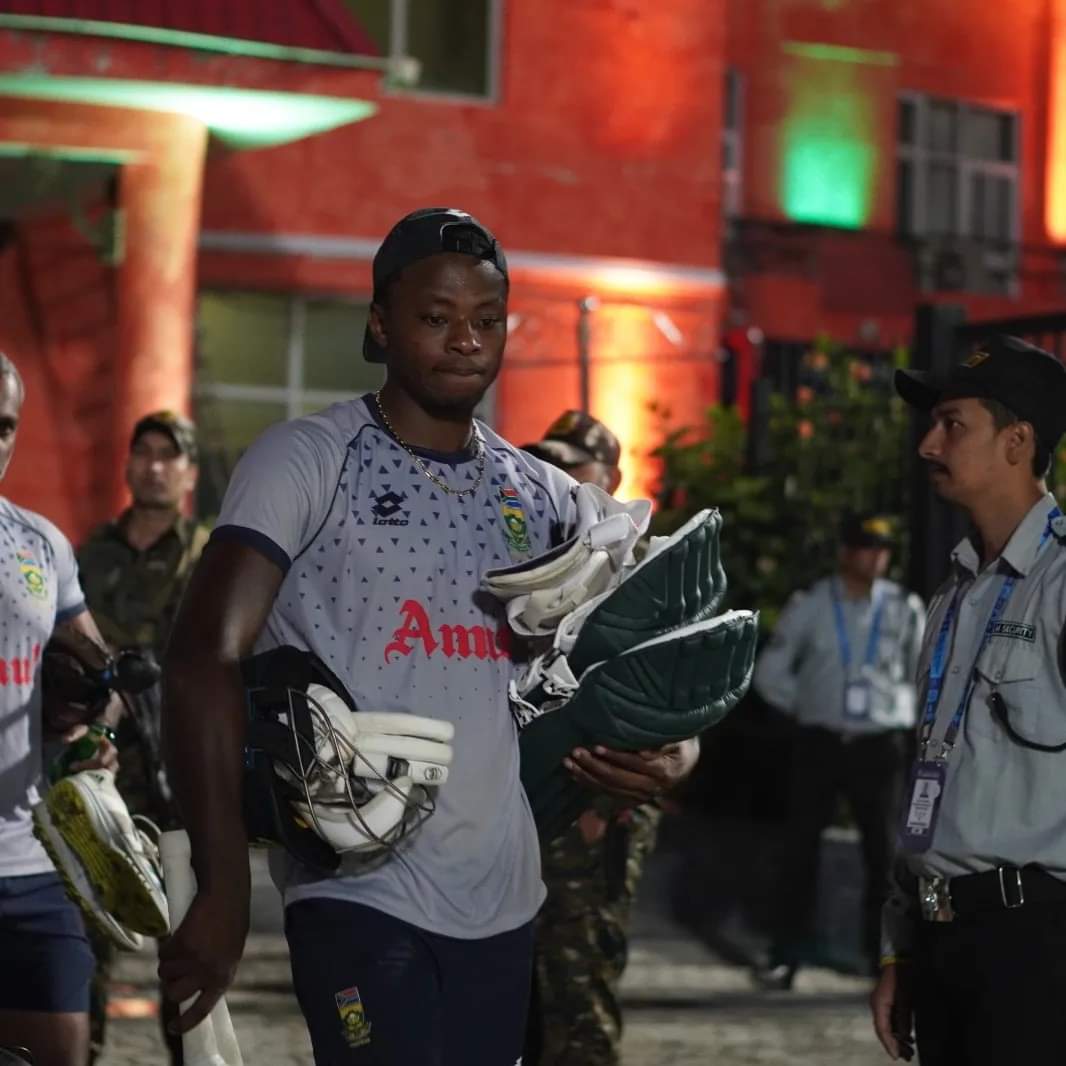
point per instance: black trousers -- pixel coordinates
(992, 989)
(376, 991)
(869, 772)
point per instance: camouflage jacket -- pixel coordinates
(134, 595)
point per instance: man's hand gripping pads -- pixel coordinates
(669, 689)
(655, 667)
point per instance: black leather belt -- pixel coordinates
(1004, 888)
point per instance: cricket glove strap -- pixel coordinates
(542, 591)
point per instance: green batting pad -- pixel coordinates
(666, 690)
(681, 583)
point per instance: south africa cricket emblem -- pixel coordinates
(33, 575)
(514, 522)
(355, 1023)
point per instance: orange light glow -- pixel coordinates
(632, 280)
(625, 340)
(1055, 195)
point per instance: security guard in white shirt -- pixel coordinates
(974, 932)
(842, 662)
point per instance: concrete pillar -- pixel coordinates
(160, 199)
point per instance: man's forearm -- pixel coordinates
(113, 713)
(203, 742)
(899, 917)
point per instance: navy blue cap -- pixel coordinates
(1028, 381)
(429, 231)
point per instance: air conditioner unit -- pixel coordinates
(970, 267)
(949, 272)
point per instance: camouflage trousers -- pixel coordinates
(581, 940)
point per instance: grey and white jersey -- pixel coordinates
(382, 573)
(38, 588)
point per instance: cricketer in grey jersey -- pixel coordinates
(381, 582)
(38, 589)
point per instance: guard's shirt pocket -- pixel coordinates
(1011, 668)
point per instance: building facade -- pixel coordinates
(194, 195)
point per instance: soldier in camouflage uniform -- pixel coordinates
(591, 871)
(133, 571)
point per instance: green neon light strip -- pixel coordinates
(828, 150)
(203, 42)
(839, 54)
(17, 150)
(827, 178)
(240, 118)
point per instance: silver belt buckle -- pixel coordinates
(934, 899)
(1019, 892)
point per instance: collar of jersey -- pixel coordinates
(464, 455)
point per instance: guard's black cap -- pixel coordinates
(181, 430)
(575, 438)
(429, 231)
(867, 530)
(1027, 380)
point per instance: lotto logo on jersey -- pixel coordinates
(514, 521)
(355, 1024)
(32, 574)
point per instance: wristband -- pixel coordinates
(893, 960)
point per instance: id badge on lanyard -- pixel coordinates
(857, 692)
(923, 805)
(857, 700)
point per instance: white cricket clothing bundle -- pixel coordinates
(212, 1042)
(539, 594)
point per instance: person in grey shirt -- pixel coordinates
(841, 661)
(360, 534)
(974, 931)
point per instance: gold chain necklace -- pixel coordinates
(479, 446)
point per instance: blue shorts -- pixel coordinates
(376, 991)
(47, 961)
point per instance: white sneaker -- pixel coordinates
(79, 887)
(119, 860)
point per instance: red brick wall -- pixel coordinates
(603, 143)
(991, 54)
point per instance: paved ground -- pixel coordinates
(684, 1006)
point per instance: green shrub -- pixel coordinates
(840, 444)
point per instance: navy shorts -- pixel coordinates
(47, 961)
(376, 991)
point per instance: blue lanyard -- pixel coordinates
(938, 663)
(842, 632)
